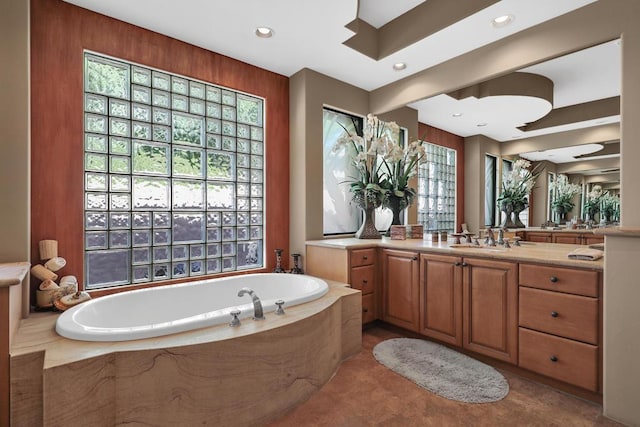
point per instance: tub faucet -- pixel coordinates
(258, 314)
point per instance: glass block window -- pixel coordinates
(174, 176)
(437, 189)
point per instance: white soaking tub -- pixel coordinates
(164, 310)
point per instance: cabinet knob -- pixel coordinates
(554, 314)
(457, 264)
(364, 281)
(553, 359)
(415, 258)
(553, 279)
(364, 257)
(464, 264)
(365, 310)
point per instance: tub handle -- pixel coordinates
(234, 321)
(279, 310)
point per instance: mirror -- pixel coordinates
(564, 112)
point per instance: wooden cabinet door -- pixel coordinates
(538, 237)
(590, 239)
(490, 308)
(400, 289)
(441, 298)
(573, 239)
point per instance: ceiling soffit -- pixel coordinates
(576, 113)
(514, 84)
(412, 26)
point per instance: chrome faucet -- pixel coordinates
(258, 314)
(491, 240)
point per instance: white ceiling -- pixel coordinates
(311, 34)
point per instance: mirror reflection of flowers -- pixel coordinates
(564, 193)
(610, 207)
(592, 203)
(371, 187)
(517, 185)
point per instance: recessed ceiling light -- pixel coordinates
(399, 66)
(482, 124)
(264, 32)
(502, 21)
(457, 114)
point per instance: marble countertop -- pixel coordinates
(542, 253)
(12, 273)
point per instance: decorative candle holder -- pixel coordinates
(278, 268)
(296, 269)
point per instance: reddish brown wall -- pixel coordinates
(455, 142)
(59, 33)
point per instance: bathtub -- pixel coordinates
(158, 311)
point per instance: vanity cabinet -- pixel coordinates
(467, 302)
(538, 236)
(357, 267)
(592, 239)
(567, 237)
(441, 298)
(490, 308)
(401, 289)
(570, 238)
(577, 238)
(560, 323)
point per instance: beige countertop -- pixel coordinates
(12, 273)
(619, 231)
(37, 333)
(543, 253)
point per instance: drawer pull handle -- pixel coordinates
(553, 279)
(553, 359)
(364, 257)
(554, 314)
(458, 264)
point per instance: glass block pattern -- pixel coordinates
(174, 176)
(437, 189)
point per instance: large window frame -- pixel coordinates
(340, 216)
(174, 175)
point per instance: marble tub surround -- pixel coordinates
(546, 253)
(13, 306)
(12, 273)
(219, 375)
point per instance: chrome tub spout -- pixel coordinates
(258, 313)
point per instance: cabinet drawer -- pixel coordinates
(569, 280)
(361, 257)
(560, 358)
(570, 316)
(368, 308)
(363, 278)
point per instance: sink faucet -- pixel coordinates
(491, 240)
(258, 314)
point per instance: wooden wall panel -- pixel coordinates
(455, 142)
(59, 34)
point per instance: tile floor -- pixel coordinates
(365, 393)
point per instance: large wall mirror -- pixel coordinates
(564, 113)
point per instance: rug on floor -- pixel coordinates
(441, 370)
